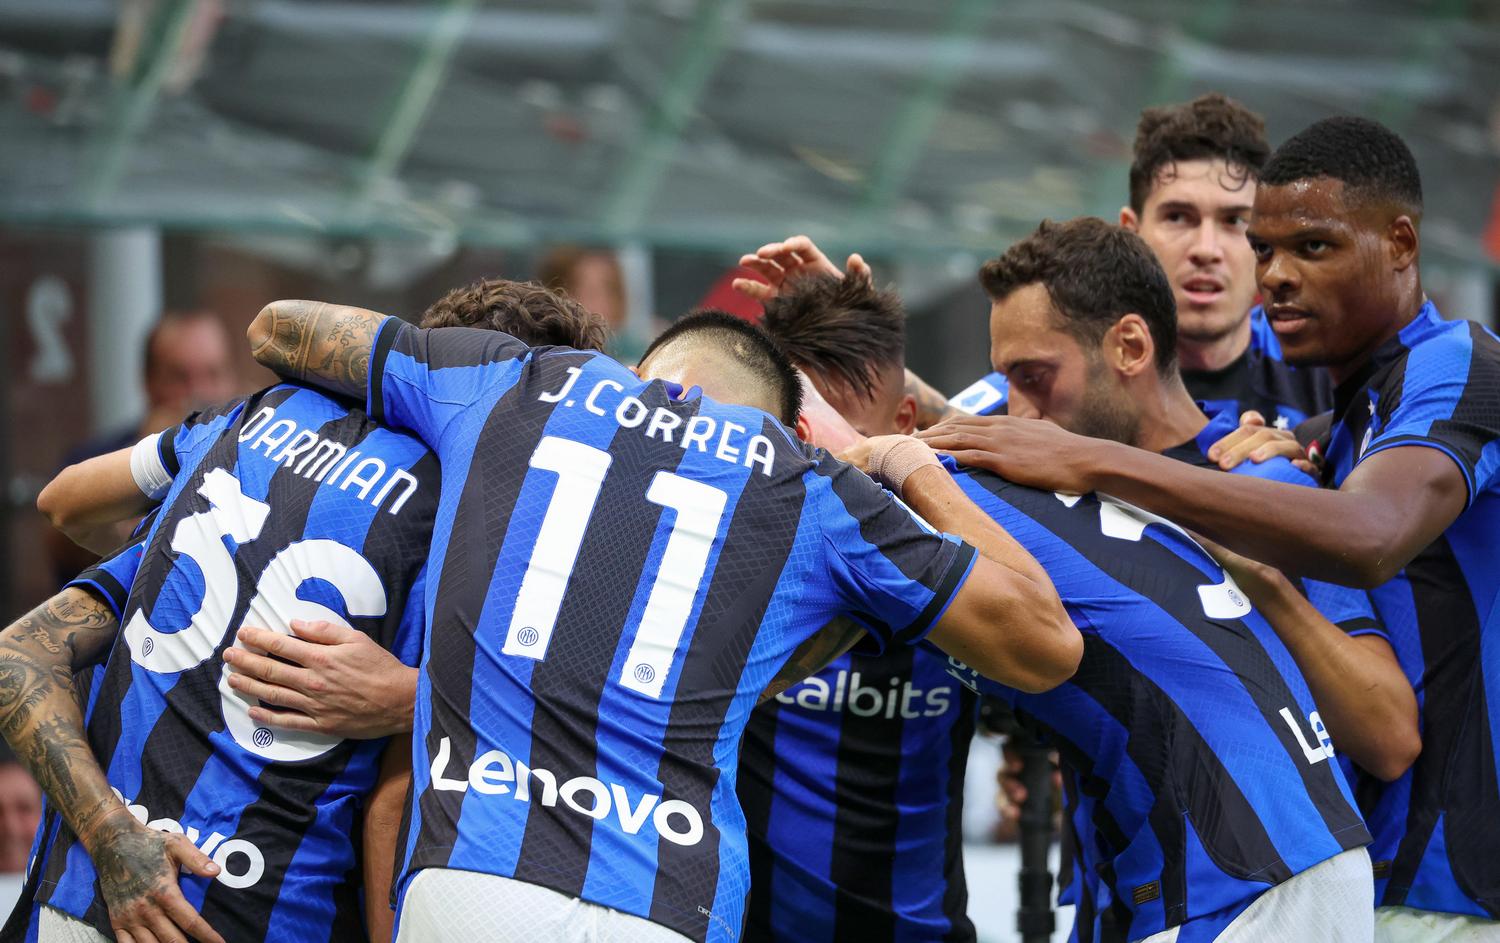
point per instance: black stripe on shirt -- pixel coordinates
(1454, 775)
(492, 485)
(744, 581)
(594, 613)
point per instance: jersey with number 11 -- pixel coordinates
(287, 505)
(617, 574)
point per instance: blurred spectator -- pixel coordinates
(593, 278)
(188, 365)
(20, 814)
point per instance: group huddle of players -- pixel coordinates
(466, 631)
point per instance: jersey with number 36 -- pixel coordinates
(617, 574)
(286, 505)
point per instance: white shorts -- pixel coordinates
(1331, 902)
(56, 926)
(1404, 925)
(445, 904)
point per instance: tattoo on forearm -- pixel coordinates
(812, 655)
(39, 714)
(322, 343)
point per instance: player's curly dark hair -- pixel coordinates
(1095, 274)
(1210, 127)
(527, 311)
(753, 348)
(1371, 160)
(844, 327)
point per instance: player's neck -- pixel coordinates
(1170, 417)
(1407, 306)
(1205, 355)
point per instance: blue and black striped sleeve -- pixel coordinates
(110, 578)
(895, 574)
(420, 379)
(1449, 400)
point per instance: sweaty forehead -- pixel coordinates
(1315, 203)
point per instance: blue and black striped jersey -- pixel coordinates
(1346, 607)
(1437, 385)
(852, 784)
(286, 505)
(1261, 380)
(618, 574)
(1197, 771)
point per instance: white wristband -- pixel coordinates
(147, 468)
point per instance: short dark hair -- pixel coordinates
(171, 319)
(1210, 127)
(1371, 160)
(757, 352)
(528, 312)
(840, 326)
(1094, 274)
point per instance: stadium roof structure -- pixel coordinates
(940, 126)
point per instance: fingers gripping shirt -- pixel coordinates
(617, 576)
(286, 505)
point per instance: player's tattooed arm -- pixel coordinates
(932, 406)
(41, 718)
(814, 654)
(326, 345)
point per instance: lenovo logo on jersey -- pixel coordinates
(493, 773)
(240, 862)
(847, 693)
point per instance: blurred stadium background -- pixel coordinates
(216, 154)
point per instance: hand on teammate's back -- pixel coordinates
(340, 681)
(1255, 441)
(1031, 452)
(138, 870)
(777, 262)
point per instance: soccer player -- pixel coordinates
(1413, 506)
(852, 781)
(1192, 183)
(1087, 360)
(1082, 323)
(1198, 779)
(617, 575)
(329, 515)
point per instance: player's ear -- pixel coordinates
(803, 428)
(906, 415)
(1128, 346)
(1402, 238)
(1129, 220)
(637, 371)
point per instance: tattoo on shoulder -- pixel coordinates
(323, 343)
(812, 655)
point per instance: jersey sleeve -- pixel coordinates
(420, 379)
(1346, 607)
(176, 442)
(110, 578)
(1448, 401)
(895, 575)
